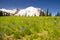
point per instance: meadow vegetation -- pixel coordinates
(29, 28)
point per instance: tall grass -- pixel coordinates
(30, 28)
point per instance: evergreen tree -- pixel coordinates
(47, 12)
(50, 14)
(42, 13)
(1, 13)
(58, 14)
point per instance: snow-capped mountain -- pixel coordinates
(29, 11)
(8, 11)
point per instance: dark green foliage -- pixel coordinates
(58, 14)
(50, 14)
(42, 13)
(47, 12)
(1, 14)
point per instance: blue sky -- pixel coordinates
(52, 5)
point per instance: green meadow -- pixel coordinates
(29, 28)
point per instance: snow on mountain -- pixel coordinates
(29, 11)
(8, 11)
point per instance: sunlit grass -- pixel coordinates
(30, 28)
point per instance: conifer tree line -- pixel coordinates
(4, 13)
(46, 13)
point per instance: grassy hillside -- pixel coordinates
(29, 28)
